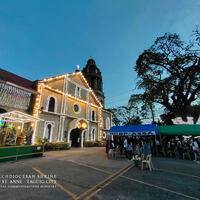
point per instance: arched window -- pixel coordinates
(93, 134)
(51, 104)
(93, 115)
(92, 83)
(90, 136)
(48, 130)
(107, 123)
(78, 92)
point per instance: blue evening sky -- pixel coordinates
(44, 38)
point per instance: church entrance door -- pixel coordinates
(75, 137)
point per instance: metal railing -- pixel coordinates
(17, 153)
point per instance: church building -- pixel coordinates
(72, 107)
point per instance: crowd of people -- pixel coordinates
(128, 146)
(180, 147)
(177, 147)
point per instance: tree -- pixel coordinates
(126, 115)
(147, 107)
(115, 117)
(169, 73)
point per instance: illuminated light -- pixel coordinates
(10, 126)
(19, 127)
(2, 122)
(82, 125)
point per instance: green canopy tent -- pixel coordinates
(180, 130)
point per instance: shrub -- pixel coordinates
(94, 144)
(41, 140)
(56, 146)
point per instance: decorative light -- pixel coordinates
(65, 75)
(1, 122)
(82, 125)
(69, 95)
(10, 126)
(18, 127)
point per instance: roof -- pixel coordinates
(18, 80)
(17, 116)
(182, 129)
(147, 129)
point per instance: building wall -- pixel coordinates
(66, 119)
(70, 108)
(46, 93)
(57, 84)
(48, 118)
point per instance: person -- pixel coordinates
(195, 149)
(176, 150)
(147, 148)
(128, 150)
(157, 146)
(125, 144)
(107, 148)
(112, 149)
(138, 150)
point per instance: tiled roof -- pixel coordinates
(13, 78)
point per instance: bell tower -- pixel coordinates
(94, 78)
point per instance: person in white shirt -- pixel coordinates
(195, 148)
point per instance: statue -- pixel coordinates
(29, 135)
(11, 136)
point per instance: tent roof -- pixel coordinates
(147, 129)
(181, 129)
(17, 116)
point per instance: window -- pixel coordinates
(48, 130)
(51, 105)
(104, 135)
(92, 83)
(93, 117)
(107, 123)
(90, 136)
(77, 108)
(78, 91)
(93, 134)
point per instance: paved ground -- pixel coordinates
(87, 174)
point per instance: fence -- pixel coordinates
(9, 153)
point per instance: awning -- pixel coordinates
(18, 117)
(183, 129)
(135, 130)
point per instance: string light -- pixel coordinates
(38, 98)
(69, 95)
(2, 122)
(78, 73)
(10, 126)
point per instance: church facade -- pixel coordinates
(72, 107)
